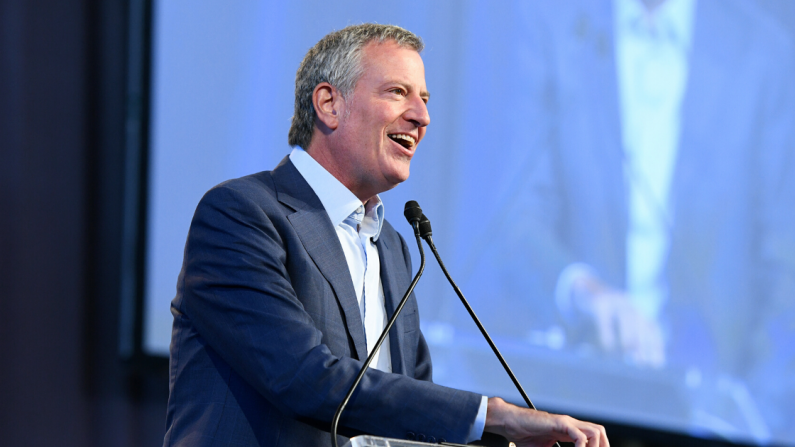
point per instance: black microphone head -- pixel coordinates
(412, 211)
(425, 227)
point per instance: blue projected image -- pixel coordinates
(611, 183)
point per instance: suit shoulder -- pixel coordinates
(757, 22)
(253, 185)
(251, 195)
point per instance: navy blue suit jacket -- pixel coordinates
(268, 337)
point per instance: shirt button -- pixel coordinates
(421, 437)
(431, 439)
(411, 436)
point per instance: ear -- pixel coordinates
(328, 104)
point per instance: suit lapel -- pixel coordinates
(595, 66)
(705, 111)
(609, 123)
(391, 267)
(702, 105)
(311, 222)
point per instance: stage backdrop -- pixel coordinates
(528, 172)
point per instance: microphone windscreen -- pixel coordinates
(412, 211)
(425, 226)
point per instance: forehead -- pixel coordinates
(388, 61)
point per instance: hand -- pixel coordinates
(620, 325)
(532, 428)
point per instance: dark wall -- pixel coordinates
(62, 121)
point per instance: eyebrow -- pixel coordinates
(425, 94)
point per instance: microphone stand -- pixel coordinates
(425, 230)
(344, 403)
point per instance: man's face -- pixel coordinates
(385, 119)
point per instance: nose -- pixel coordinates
(417, 113)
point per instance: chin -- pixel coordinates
(393, 181)
(399, 177)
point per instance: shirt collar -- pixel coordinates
(673, 19)
(338, 201)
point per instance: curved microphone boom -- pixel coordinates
(426, 233)
(413, 214)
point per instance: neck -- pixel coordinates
(325, 159)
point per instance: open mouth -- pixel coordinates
(404, 140)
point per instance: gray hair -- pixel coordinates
(336, 59)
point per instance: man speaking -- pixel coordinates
(289, 277)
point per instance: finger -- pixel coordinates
(603, 442)
(577, 436)
(645, 340)
(652, 347)
(593, 433)
(605, 321)
(581, 441)
(630, 330)
(659, 348)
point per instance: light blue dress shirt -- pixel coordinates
(652, 49)
(358, 226)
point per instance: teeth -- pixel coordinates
(400, 136)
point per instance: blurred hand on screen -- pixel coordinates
(621, 327)
(531, 428)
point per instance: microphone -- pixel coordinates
(425, 229)
(413, 214)
(426, 233)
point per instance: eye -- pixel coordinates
(398, 91)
